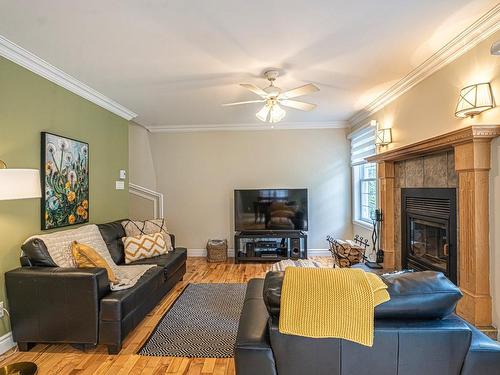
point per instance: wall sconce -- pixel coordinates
(495, 48)
(383, 137)
(474, 99)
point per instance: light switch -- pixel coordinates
(123, 174)
(120, 185)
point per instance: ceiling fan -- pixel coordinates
(273, 98)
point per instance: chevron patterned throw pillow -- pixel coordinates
(144, 246)
(135, 228)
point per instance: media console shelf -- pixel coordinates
(269, 246)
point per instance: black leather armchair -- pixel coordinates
(415, 333)
(50, 304)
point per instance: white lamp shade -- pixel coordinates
(383, 137)
(19, 184)
(474, 99)
(277, 114)
(263, 113)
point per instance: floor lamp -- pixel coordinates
(19, 184)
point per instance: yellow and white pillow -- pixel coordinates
(144, 246)
(135, 228)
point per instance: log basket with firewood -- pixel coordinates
(347, 253)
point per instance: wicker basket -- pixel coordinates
(217, 251)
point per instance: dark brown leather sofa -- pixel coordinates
(415, 333)
(50, 304)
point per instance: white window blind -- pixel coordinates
(362, 145)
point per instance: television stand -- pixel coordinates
(269, 246)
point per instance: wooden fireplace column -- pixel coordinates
(472, 163)
(472, 147)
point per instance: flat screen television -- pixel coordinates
(270, 210)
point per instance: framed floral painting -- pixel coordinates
(65, 181)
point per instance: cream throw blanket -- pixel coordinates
(59, 247)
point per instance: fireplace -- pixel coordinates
(429, 230)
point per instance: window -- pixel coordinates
(364, 182)
(367, 191)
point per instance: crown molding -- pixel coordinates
(248, 127)
(28, 60)
(481, 29)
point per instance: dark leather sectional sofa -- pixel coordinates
(50, 304)
(416, 333)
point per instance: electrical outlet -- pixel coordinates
(1, 309)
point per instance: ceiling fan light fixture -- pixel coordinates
(276, 114)
(273, 96)
(263, 113)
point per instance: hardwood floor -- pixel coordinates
(64, 359)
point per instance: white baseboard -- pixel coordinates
(6, 343)
(203, 253)
(230, 252)
(319, 252)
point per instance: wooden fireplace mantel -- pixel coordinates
(472, 150)
(441, 142)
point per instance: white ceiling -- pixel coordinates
(174, 62)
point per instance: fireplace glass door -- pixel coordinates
(428, 243)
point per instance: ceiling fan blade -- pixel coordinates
(254, 89)
(247, 102)
(299, 91)
(298, 105)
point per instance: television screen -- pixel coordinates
(270, 209)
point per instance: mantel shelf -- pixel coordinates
(441, 142)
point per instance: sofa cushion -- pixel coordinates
(419, 295)
(86, 257)
(112, 234)
(272, 292)
(171, 261)
(134, 228)
(144, 246)
(414, 295)
(37, 253)
(119, 304)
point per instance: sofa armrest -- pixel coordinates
(253, 353)
(53, 304)
(483, 356)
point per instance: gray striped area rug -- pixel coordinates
(202, 323)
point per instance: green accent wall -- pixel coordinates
(30, 104)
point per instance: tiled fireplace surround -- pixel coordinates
(458, 159)
(430, 171)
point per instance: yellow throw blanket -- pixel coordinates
(324, 302)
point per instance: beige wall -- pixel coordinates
(428, 110)
(197, 173)
(141, 169)
(140, 208)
